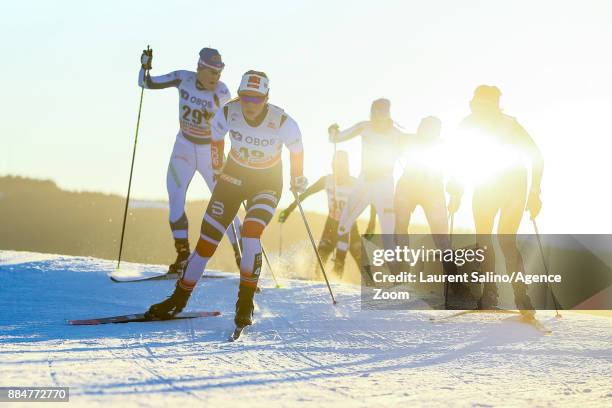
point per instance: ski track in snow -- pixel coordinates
(300, 350)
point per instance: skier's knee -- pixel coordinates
(205, 248)
(252, 229)
(342, 246)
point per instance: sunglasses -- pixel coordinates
(252, 99)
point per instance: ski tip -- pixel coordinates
(90, 322)
(205, 314)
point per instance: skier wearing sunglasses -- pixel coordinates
(201, 94)
(252, 173)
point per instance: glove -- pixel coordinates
(217, 174)
(170, 307)
(146, 59)
(534, 204)
(208, 115)
(454, 203)
(455, 189)
(368, 237)
(282, 216)
(332, 131)
(299, 184)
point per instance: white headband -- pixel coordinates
(254, 82)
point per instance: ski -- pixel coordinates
(140, 317)
(535, 323)
(472, 311)
(237, 333)
(156, 276)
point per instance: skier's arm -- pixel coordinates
(223, 93)
(292, 138)
(344, 135)
(217, 145)
(372, 222)
(535, 155)
(171, 80)
(314, 188)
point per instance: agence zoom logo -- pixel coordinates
(196, 100)
(252, 140)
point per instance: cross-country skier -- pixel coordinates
(422, 184)
(502, 185)
(338, 186)
(201, 94)
(381, 144)
(253, 172)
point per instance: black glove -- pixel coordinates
(534, 204)
(170, 307)
(298, 184)
(282, 216)
(146, 59)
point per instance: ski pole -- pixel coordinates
(451, 227)
(280, 241)
(127, 199)
(238, 243)
(554, 298)
(335, 206)
(450, 240)
(314, 246)
(263, 251)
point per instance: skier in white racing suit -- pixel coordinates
(201, 94)
(382, 143)
(338, 187)
(253, 172)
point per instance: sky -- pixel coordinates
(69, 72)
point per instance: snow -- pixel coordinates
(301, 350)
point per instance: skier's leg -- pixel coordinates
(327, 242)
(222, 207)
(403, 206)
(356, 203)
(485, 205)
(382, 196)
(260, 210)
(355, 244)
(180, 172)
(509, 221)
(434, 206)
(204, 167)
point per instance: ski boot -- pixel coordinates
(339, 267)
(489, 298)
(523, 303)
(244, 306)
(166, 309)
(182, 254)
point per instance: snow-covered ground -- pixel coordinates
(301, 350)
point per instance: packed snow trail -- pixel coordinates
(300, 350)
